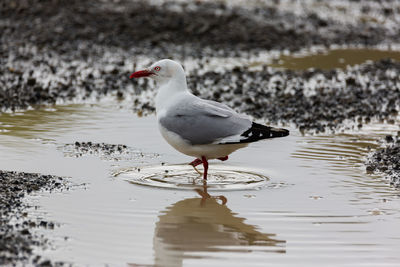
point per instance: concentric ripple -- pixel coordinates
(183, 176)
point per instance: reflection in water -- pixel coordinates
(335, 58)
(206, 224)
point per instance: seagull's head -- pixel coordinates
(161, 71)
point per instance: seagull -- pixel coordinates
(196, 127)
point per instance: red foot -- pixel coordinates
(223, 158)
(203, 160)
(196, 162)
(205, 166)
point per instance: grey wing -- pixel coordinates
(204, 122)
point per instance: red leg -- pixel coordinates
(205, 165)
(196, 162)
(223, 158)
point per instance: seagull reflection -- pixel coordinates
(206, 224)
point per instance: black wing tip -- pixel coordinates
(280, 132)
(259, 132)
(269, 132)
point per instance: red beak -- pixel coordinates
(141, 73)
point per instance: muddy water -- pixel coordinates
(313, 204)
(334, 58)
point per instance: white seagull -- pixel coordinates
(196, 127)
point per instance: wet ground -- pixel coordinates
(386, 160)
(328, 70)
(18, 232)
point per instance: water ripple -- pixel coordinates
(182, 176)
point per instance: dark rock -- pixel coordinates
(31, 81)
(389, 138)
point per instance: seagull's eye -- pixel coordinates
(158, 68)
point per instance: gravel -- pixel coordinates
(17, 229)
(60, 51)
(64, 24)
(386, 160)
(109, 152)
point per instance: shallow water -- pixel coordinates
(334, 58)
(313, 203)
(183, 176)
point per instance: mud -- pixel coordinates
(64, 25)
(386, 160)
(17, 229)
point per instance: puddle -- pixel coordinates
(314, 202)
(194, 226)
(334, 58)
(185, 177)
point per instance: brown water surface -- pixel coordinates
(314, 204)
(334, 58)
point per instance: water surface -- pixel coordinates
(316, 206)
(334, 58)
